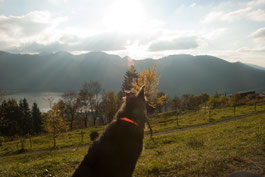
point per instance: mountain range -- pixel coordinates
(180, 74)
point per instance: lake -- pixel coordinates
(38, 97)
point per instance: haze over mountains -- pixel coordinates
(181, 74)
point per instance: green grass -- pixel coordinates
(168, 121)
(208, 151)
(44, 142)
(159, 122)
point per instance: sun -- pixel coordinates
(136, 51)
(125, 16)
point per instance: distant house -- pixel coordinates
(247, 93)
(251, 94)
(261, 96)
(243, 94)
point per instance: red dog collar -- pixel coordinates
(129, 120)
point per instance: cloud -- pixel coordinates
(213, 16)
(256, 50)
(27, 25)
(56, 2)
(180, 43)
(257, 15)
(35, 26)
(104, 42)
(255, 3)
(214, 34)
(253, 55)
(236, 15)
(250, 11)
(39, 31)
(99, 42)
(111, 41)
(49, 48)
(34, 47)
(259, 34)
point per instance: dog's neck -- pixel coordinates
(129, 120)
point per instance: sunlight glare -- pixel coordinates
(126, 16)
(136, 51)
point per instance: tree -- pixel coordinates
(253, 99)
(2, 120)
(53, 122)
(190, 102)
(234, 101)
(176, 103)
(213, 103)
(223, 101)
(10, 115)
(129, 77)
(85, 99)
(150, 79)
(95, 89)
(166, 104)
(204, 97)
(36, 118)
(111, 104)
(25, 122)
(2, 93)
(161, 104)
(70, 99)
(256, 100)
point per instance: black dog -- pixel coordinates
(115, 152)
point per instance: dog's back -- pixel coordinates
(115, 153)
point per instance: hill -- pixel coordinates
(181, 74)
(256, 66)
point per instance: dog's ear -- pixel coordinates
(128, 93)
(140, 93)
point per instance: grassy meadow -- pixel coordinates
(208, 151)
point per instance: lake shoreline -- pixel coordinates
(38, 97)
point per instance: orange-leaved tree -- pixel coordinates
(150, 79)
(54, 122)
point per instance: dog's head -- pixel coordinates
(135, 107)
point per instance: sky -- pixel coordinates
(232, 30)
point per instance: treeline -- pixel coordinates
(19, 119)
(208, 103)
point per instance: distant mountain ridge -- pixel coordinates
(255, 66)
(181, 74)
